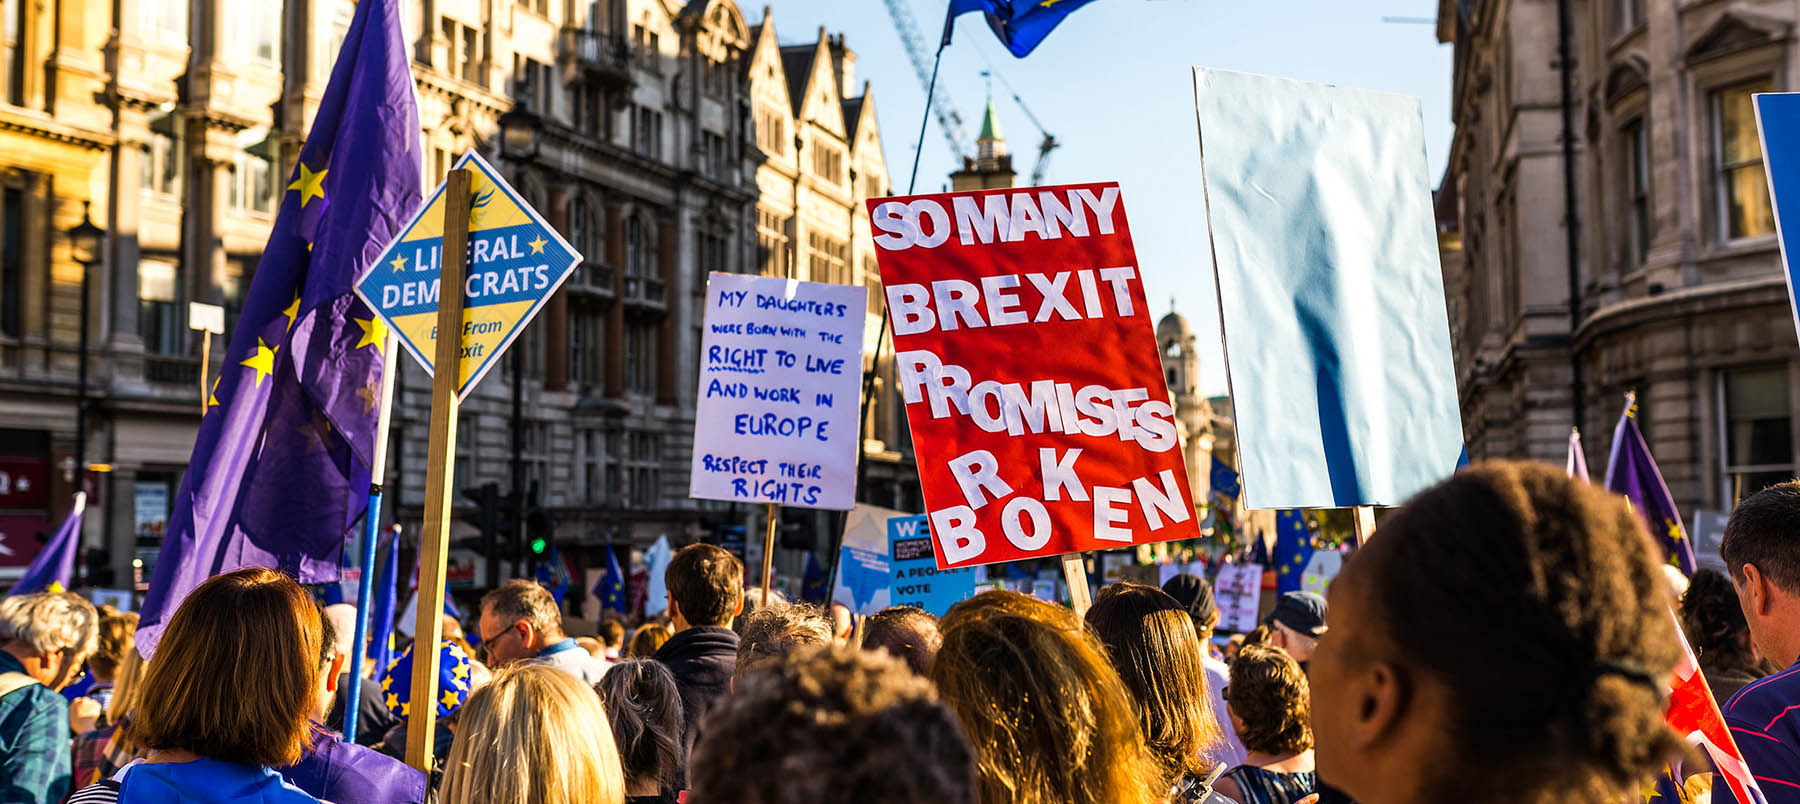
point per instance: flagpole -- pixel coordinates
(371, 529)
(881, 335)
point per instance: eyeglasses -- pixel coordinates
(487, 640)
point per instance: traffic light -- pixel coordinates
(494, 516)
(540, 526)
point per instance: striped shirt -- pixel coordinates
(1764, 718)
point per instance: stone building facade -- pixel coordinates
(1668, 253)
(177, 120)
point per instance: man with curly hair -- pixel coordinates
(842, 724)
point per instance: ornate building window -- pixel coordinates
(1742, 189)
(1627, 15)
(1637, 191)
(1758, 430)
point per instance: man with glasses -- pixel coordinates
(520, 622)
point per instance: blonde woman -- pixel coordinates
(533, 735)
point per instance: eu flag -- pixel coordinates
(1631, 471)
(280, 468)
(552, 575)
(53, 570)
(1293, 548)
(381, 615)
(1020, 24)
(611, 588)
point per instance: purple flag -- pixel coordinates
(1631, 471)
(280, 469)
(55, 564)
(1576, 465)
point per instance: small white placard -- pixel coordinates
(206, 317)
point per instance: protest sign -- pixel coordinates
(780, 387)
(862, 582)
(1027, 361)
(515, 262)
(916, 579)
(1237, 592)
(1320, 569)
(1778, 124)
(1337, 344)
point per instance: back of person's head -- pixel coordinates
(117, 638)
(832, 723)
(342, 617)
(644, 707)
(1505, 636)
(522, 599)
(909, 633)
(776, 631)
(1270, 701)
(1196, 597)
(533, 735)
(1048, 717)
(235, 676)
(1152, 643)
(1764, 532)
(612, 633)
(647, 639)
(47, 622)
(706, 584)
(1714, 621)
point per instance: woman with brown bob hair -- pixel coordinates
(1269, 704)
(1048, 717)
(227, 697)
(1152, 643)
(1504, 637)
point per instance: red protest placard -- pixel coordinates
(1026, 357)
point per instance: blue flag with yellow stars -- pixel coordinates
(1631, 471)
(1020, 24)
(453, 685)
(1293, 548)
(610, 590)
(280, 468)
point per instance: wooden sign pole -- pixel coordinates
(205, 365)
(428, 630)
(1363, 521)
(1074, 566)
(773, 516)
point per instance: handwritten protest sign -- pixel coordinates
(1337, 344)
(780, 388)
(916, 579)
(1027, 361)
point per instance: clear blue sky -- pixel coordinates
(1114, 85)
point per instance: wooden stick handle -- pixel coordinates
(1074, 566)
(773, 515)
(434, 539)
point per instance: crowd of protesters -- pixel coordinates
(1506, 637)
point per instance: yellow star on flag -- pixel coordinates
(405, 710)
(399, 263)
(212, 396)
(311, 185)
(263, 362)
(392, 699)
(387, 682)
(537, 246)
(293, 311)
(374, 332)
(461, 672)
(450, 698)
(55, 588)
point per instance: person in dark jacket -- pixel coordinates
(706, 592)
(343, 772)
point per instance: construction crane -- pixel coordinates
(948, 120)
(1046, 145)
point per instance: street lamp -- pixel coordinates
(85, 242)
(521, 132)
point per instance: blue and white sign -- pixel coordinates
(780, 392)
(862, 582)
(1778, 122)
(516, 261)
(1337, 345)
(916, 579)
